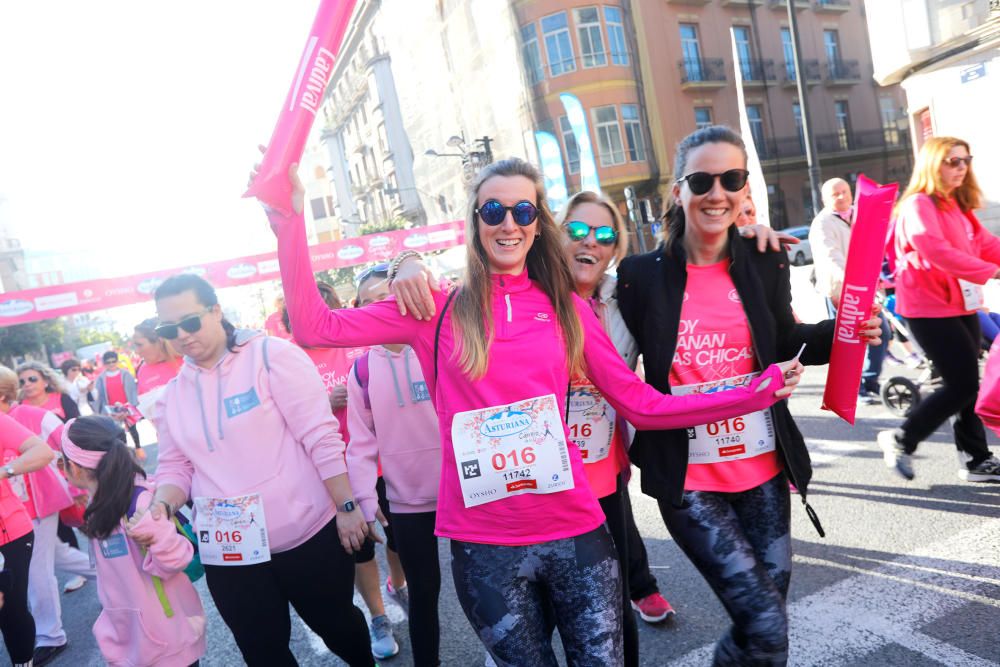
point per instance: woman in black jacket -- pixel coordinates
(708, 312)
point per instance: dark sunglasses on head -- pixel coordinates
(578, 231)
(379, 271)
(955, 161)
(190, 324)
(493, 212)
(701, 182)
(31, 378)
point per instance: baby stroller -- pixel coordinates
(899, 393)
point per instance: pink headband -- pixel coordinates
(78, 455)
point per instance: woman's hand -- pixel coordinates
(412, 287)
(338, 397)
(766, 236)
(353, 529)
(298, 190)
(871, 330)
(792, 372)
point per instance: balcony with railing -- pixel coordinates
(810, 69)
(831, 5)
(757, 72)
(783, 4)
(702, 73)
(794, 147)
(843, 72)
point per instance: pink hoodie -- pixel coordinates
(133, 630)
(258, 422)
(47, 490)
(397, 429)
(934, 248)
(527, 360)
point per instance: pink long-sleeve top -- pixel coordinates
(133, 630)
(934, 248)
(398, 426)
(44, 491)
(259, 421)
(527, 359)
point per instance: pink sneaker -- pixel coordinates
(653, 608)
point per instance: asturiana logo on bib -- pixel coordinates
(505, 423)
(580, 401)
(226, 512)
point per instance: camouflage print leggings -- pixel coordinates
(741, 544)
(510, 595)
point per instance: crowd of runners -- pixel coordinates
(503, 412)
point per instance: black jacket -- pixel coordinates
(650, 294)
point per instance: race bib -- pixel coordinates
(972, 294)
(591, 422)
(232, 531)
(512, 449)
(729, 439)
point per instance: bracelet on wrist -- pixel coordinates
(398, 262)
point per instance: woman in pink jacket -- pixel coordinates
(526, 530)
(152, 614)
(943, 257)
(245, 430)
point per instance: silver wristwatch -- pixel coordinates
(9, 469)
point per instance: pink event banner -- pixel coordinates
(872, 211)
(86, 296)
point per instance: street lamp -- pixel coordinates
(433, 153)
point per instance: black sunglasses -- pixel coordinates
(701, 182)
(190, 324)
(493, 212)
(379, 271)
(955, 161)
(31, 378)
(578, 231)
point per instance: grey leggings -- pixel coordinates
(741, 544)
(509, 594)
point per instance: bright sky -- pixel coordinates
(128, 128)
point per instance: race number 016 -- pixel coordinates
(500, 460)
(226, 536)
(580, 431)
(726, 426)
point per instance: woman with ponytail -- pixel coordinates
(152, 614)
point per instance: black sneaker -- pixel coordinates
(46, 654)
(987, 471)
(869, 398)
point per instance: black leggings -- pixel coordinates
(742, 545)
(614, 512)
(367, 552)
(418, 553)
(16, 621)
(134, 432)
(952, 345)
(67, 535)
(317, 578)
(641, 582)
(507, 592)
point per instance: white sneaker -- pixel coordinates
(894, 455)
(74, 584)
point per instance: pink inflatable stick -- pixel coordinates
(271, 187)
(873, 209)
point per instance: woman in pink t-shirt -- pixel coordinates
(43, 388)
(160, 363)
(709, 312)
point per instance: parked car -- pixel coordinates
(801, 253)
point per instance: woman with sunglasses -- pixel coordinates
(24, 452)
(245, 430)
(526, 531)
(43, 388)
(943, 257)
(79, 385)
(158, 366)
(708, 313)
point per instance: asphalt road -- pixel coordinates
(909, 573)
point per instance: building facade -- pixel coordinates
(946, 56)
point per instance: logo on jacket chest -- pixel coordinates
(240, 403)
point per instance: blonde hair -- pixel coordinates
(926, 178)
(588, 197)
(472, 321)
(8, 385)
(53, 381)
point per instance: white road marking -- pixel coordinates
(825, 451)
(889, 604)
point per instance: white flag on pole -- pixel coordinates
(758, 186)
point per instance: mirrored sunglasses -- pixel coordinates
(191, 324)
(955, 161)
(578, 231)
(493, 212)
(701, 182)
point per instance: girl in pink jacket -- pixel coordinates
(152, 613)
(526, 530)
(943, 258)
